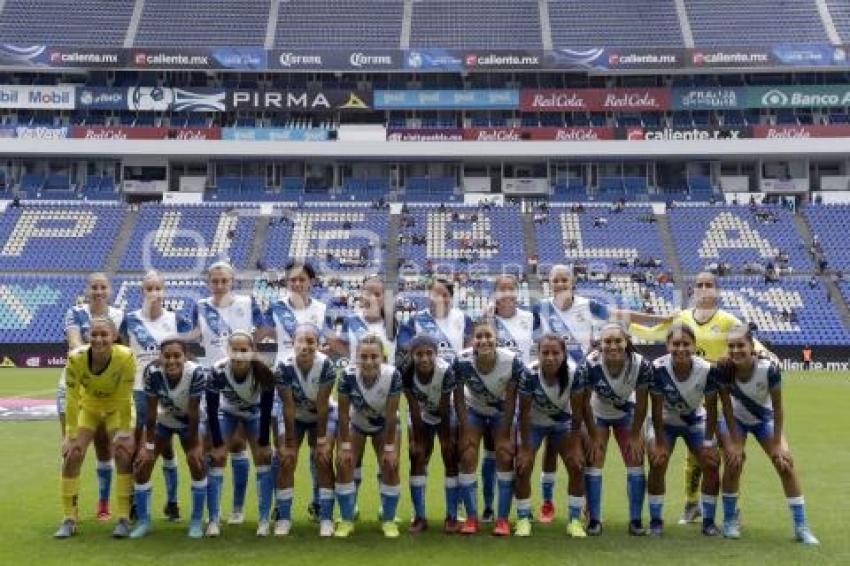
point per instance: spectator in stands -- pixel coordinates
(813, 282)
(599, 221)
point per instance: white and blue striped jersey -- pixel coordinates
(429, 395)
(355, 326)
(613, 396)
(237, 399)
(485, 393)
(285, 319)
(550, 405)
(450, 332)
(368, 405)
(144, 336)
(305, 387)
(683, 400)
(577, 325)
(517, 333)
(751, 401)
(79, 317)
(174, 399)
(218, 323)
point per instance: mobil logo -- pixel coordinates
(8, 96)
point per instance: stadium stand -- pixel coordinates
(190, 237)
(736, 236)
(754, 22)
(840, 11)
(317, 24)
(48, 237)
(210, 23)
(477, 24)
(32, 308)
(828, 223)
(90, 22)
(337, 238)
(617, 23)
(600, 239)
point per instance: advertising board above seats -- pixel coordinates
(605, 59)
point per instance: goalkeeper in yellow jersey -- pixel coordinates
(711, 324)
(99, 380)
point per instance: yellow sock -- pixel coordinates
(124, 490)
(693, 473)
(70, 494)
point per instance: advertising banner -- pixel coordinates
(538, 134)
(684, 134)
(37, 97)
(162, 99)
(40, 133)
(601, 100)
(730, 57)
(446, 99)
(806, 96)
(275, 134)
(486, 59)
(433, 60)
(234, 58)
(299, 100)
(101, 98)
(787, 132)
(708, 98)
(120, 133)
(425, 134)
(809, 55)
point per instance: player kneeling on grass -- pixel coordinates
(368, 408)
(681, 382)
(551, 406)
(305, 382)
(428, 383)
(616, 379)
(751, 396)
(99, 379)
(490, 377)
(244, 388)
(174, 387)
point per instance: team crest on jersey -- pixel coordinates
(715, 329)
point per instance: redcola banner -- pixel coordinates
(120, 133)
(593, 99)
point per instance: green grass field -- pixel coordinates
(817, 422)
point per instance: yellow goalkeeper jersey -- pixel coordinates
(710, 335)
(105, 394)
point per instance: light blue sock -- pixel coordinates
(417, 495)
(215, 478)
(284, 504)
(142, 498)
(523, 508)
(389, 495)
(656, 507)
(199, 496)
(104, 480)
(709, 509)
(797, 505)
(326, 504)
(451, 488)
(169, 472)
(240, 465)
(314, 475)
(730, 507)
(345, 493)
(469, 492)
(506, 493)
(593, 489)
(488, 478)
(265, 489)
(576, 502)
(547, 486)
(636, 486)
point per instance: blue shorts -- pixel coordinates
(229, 423)
(693, 435)
(614, 423)
(476, 419)
(304, 428)
(166, 432)
(762, 431)
(140, 401)
(555, 433)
